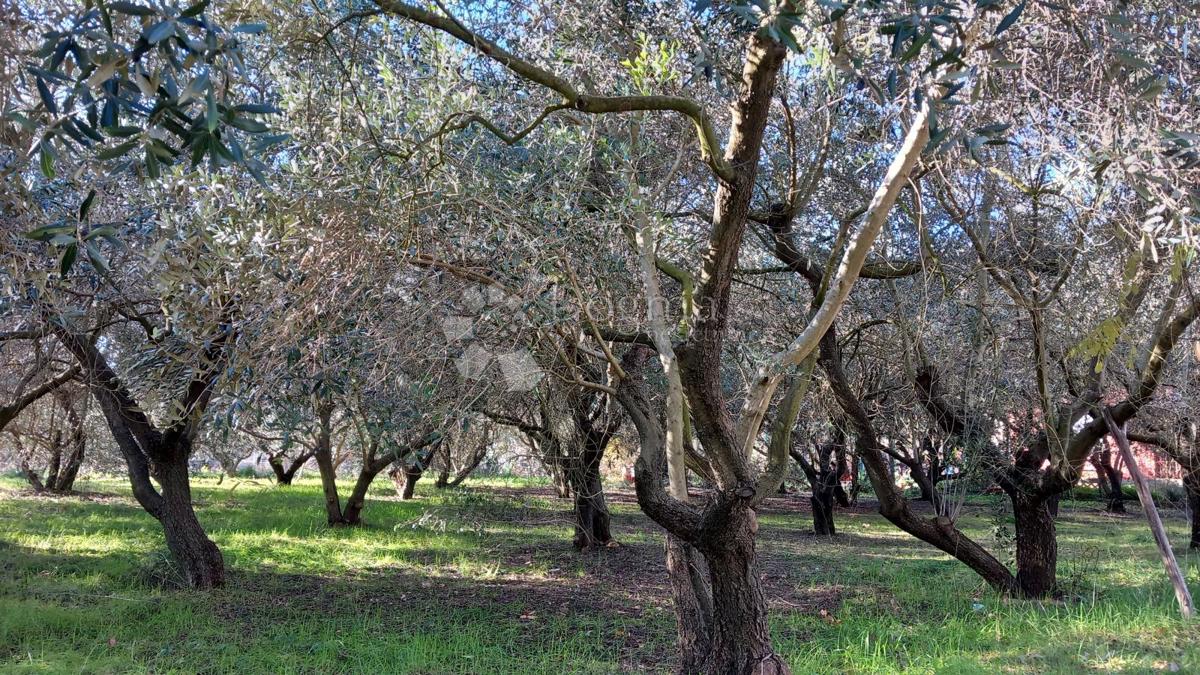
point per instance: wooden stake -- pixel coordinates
(1182, 594)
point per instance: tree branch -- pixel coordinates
(10, 411)
(710, 148)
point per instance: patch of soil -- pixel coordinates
(641, 566)
(623, 587)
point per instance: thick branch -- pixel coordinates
(709, 146)
(10, 411)
(1081, 443)
(781, 431)
(839, 288)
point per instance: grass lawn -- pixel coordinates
(484, 580)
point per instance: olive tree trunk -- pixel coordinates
(163, 453)
(326, 467)
(1191, 483)
(822, 502)
(405, 479)
(198, 557)
(62, 480)
(1110, 479)
(592, 522)
(358, 496)
(1037, 546)
(284, 475)
(740, 634)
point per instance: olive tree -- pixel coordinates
(723, 618)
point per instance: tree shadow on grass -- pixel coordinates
(630, 624)
(518, 573)
(519, 577)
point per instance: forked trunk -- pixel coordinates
(198, 557)
(464, 472)
(281, 477)
(148, 451)
(284, 475)
(592, 522)
(64, 480)
(60, 472)
(1037, 547)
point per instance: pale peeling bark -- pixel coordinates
(655, 315)
(763, 388)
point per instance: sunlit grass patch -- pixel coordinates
(484, 579)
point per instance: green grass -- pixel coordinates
(484, 580)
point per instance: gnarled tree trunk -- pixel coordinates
(741, 638)
(323, 453)
(592, 522)
(1037, 546)
(198, 557)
